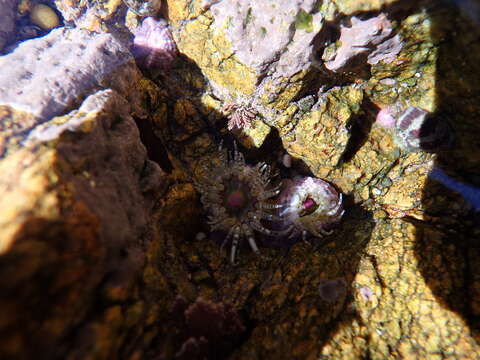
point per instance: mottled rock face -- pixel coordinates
(73, 209)
(90, 15)
(78, 193)
(263, 32)
(144, 7)
(365, 37)
(389, 283)
(209, 329)
(51, 75)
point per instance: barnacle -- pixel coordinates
(236, 197)
(416, 129)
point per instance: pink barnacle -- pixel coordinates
(153, 45)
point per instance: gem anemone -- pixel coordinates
(153, 45)
(237, 198)
(310, 206)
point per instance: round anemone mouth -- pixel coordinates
(237, 197)
(309, 206)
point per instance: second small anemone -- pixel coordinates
(310, 206)
(237, 199)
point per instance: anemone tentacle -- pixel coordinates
(235, 197)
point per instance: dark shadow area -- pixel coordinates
(359, 126)
(452, 233)
(155, 148)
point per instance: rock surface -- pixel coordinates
(101, 274)
(81, 214)
(50, 76)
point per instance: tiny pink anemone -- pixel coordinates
(237, 197)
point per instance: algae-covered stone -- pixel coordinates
(96, 16)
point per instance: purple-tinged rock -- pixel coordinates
(386, 51)
(51, 75)
(362, 37)
(267, 34)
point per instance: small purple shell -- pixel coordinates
(153, 45)
(310, 205)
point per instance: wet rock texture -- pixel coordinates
(55, 73)
(73, 213)
(102, 254)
